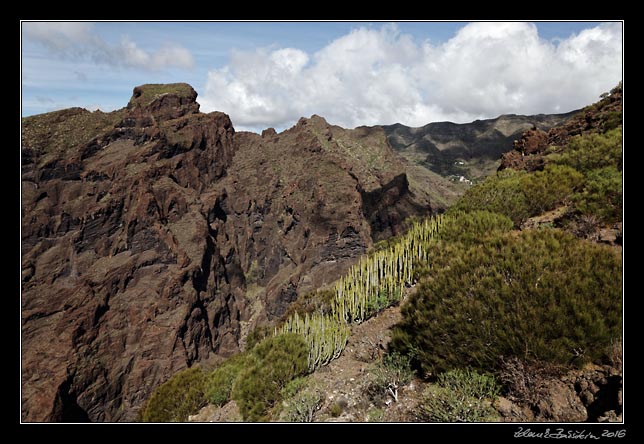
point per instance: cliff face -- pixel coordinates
(155, 237)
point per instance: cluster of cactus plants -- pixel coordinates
(378, 280)
(374, 283)
(325, 337)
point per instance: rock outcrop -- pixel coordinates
(155, 237)
(593, 394)
(528, 150)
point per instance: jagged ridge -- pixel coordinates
(156, 236)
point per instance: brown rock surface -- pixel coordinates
(592, 394)
(155, 236)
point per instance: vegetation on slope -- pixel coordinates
(277, 361)
(487, 295)
(540, 295)
(254, 379)
(540, 299)
(378, 281)
(460, 396)
(175, 399)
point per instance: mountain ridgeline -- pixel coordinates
(155, 237)
(170, 263)
(445, 157)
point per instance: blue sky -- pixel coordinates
(269, 74)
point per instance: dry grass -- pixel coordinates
(527, 382)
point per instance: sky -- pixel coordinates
(269, 74)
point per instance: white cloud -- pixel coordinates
(380, 76)
(77, 40)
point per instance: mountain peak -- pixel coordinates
(146, 94)
(164, 101)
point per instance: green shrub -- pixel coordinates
(219, 383)
(544, 190)
(375, 415)
(460, 396)
(470, 383)
(388, 376)
(612, 120)
(519, 195)
(540, 295)
(255, 394)
(473, 227)
(294, 387)
(258, 387)
(602, 195)
(178, 397)
(500, 193)
(257, 335)
(302, 405)
(443, 405)
(461, 230)
(592, 151)
(336, 409)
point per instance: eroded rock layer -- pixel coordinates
(155, 236)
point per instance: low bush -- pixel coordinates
(592, 151)
(539, 295)
(178, 397)
(460, 396)
(546, 189)
(388, 375)
(375, 415)
(499, 193)
(337, 408)
(473, 227)
(219, 383)
(460, 230)
(301, 406)
(519, 195)
(257, 335)
(602, 195)
(277, 361)
(470, 383)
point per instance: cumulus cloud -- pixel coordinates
(382, 76)
(77, 40)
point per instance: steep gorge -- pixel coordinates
(155, 236)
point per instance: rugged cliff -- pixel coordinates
(154, 237)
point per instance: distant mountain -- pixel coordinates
(461, 153)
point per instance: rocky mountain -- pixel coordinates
(445, 158)
(156, 236)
